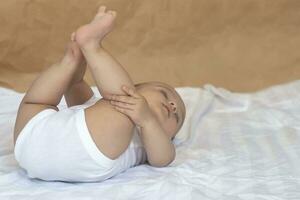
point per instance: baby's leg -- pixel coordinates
(79, 91)
(108, 74)
(111, 137)
(52, 83)
(47, 90)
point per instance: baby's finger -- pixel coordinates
(123, 110)
(131, 91)
(121, 104)
(110, 96)
(107, 96)
(123, 98)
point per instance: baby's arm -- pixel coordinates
(160, 150)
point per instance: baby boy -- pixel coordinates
(94, 138)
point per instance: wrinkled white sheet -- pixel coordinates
(233, 146)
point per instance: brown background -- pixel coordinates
(241, 45)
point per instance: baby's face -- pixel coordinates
(166, 104)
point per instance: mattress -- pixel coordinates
(233, 146)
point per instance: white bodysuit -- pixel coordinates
(56, 145)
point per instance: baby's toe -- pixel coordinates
(73, 36)
(101, 12)
(112, 12)
(101, 9)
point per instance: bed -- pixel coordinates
(233, 146)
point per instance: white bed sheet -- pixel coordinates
(233, 146)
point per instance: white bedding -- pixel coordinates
(232, 146)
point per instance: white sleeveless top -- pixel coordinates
(135, 153)
(56, 145)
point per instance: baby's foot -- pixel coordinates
(90, 35)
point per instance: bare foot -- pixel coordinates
(90, 35)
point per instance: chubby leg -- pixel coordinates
(47, 90)
(79, 91)
(107, 72)
(111, 131)
(52, 83)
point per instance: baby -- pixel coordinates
(94, 139)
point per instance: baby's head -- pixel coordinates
(165, 103)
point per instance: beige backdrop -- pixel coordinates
(241, 45)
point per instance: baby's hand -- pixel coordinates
(134, 105)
